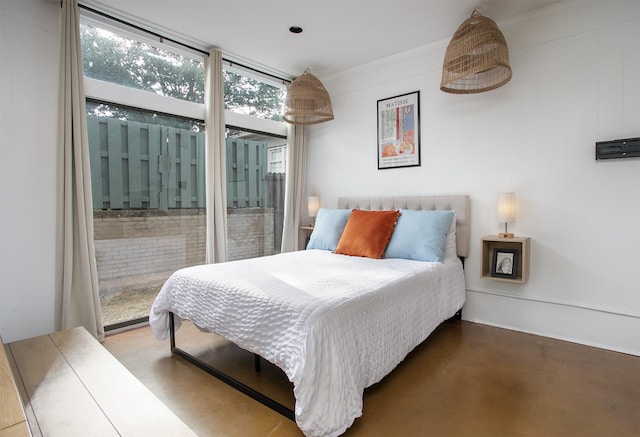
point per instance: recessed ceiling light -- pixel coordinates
(295, 29)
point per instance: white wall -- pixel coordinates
(29, 76)
(576, 80)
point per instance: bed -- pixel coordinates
(334, 323)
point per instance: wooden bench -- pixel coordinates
(13, 422)
(72, 386)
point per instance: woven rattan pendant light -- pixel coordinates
(307, 101)
(477, 58)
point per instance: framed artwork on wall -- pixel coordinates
(505, 263)
(399, 131)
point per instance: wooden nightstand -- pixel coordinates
(306, 231)
(512, 252)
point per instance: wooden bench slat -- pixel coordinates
(132, 409)
(18, 430)
(72, 386)
(13, 421)
(60, 402)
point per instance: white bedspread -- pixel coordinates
(334, 324)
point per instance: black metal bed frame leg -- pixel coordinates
(256, 362)
(254, 394)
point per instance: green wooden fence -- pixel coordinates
(143, 166)
(246, 169)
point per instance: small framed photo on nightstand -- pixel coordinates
(505, 263)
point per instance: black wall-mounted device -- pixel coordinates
(626, 148)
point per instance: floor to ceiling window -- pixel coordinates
(256, 164)
(255, 194)
(145, 116)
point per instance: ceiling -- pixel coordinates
(337, 34)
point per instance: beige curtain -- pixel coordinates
(216, 174)
(296, 180)
(77, 292)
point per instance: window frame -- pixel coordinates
(122, 95)
(277, 157)
(112, 93)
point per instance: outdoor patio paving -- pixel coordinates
(129, 298)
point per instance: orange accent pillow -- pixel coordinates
(367, 233)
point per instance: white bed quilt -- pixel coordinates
(334, 324)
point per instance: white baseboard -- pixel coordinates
(593, 327)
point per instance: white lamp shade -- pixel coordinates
(506, 207)
(313, 204)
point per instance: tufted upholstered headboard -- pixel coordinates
(459, 203)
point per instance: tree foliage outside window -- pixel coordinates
(249, 96)
(114, 58)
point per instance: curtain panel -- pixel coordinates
(215, 152)
(296, 181)
(77, 290)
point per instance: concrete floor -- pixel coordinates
(466, 379)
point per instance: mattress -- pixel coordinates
(335, 324)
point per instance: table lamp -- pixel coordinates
(506, 212)
(313, 204)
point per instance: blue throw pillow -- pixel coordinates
(420, 235)
(328, 228)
